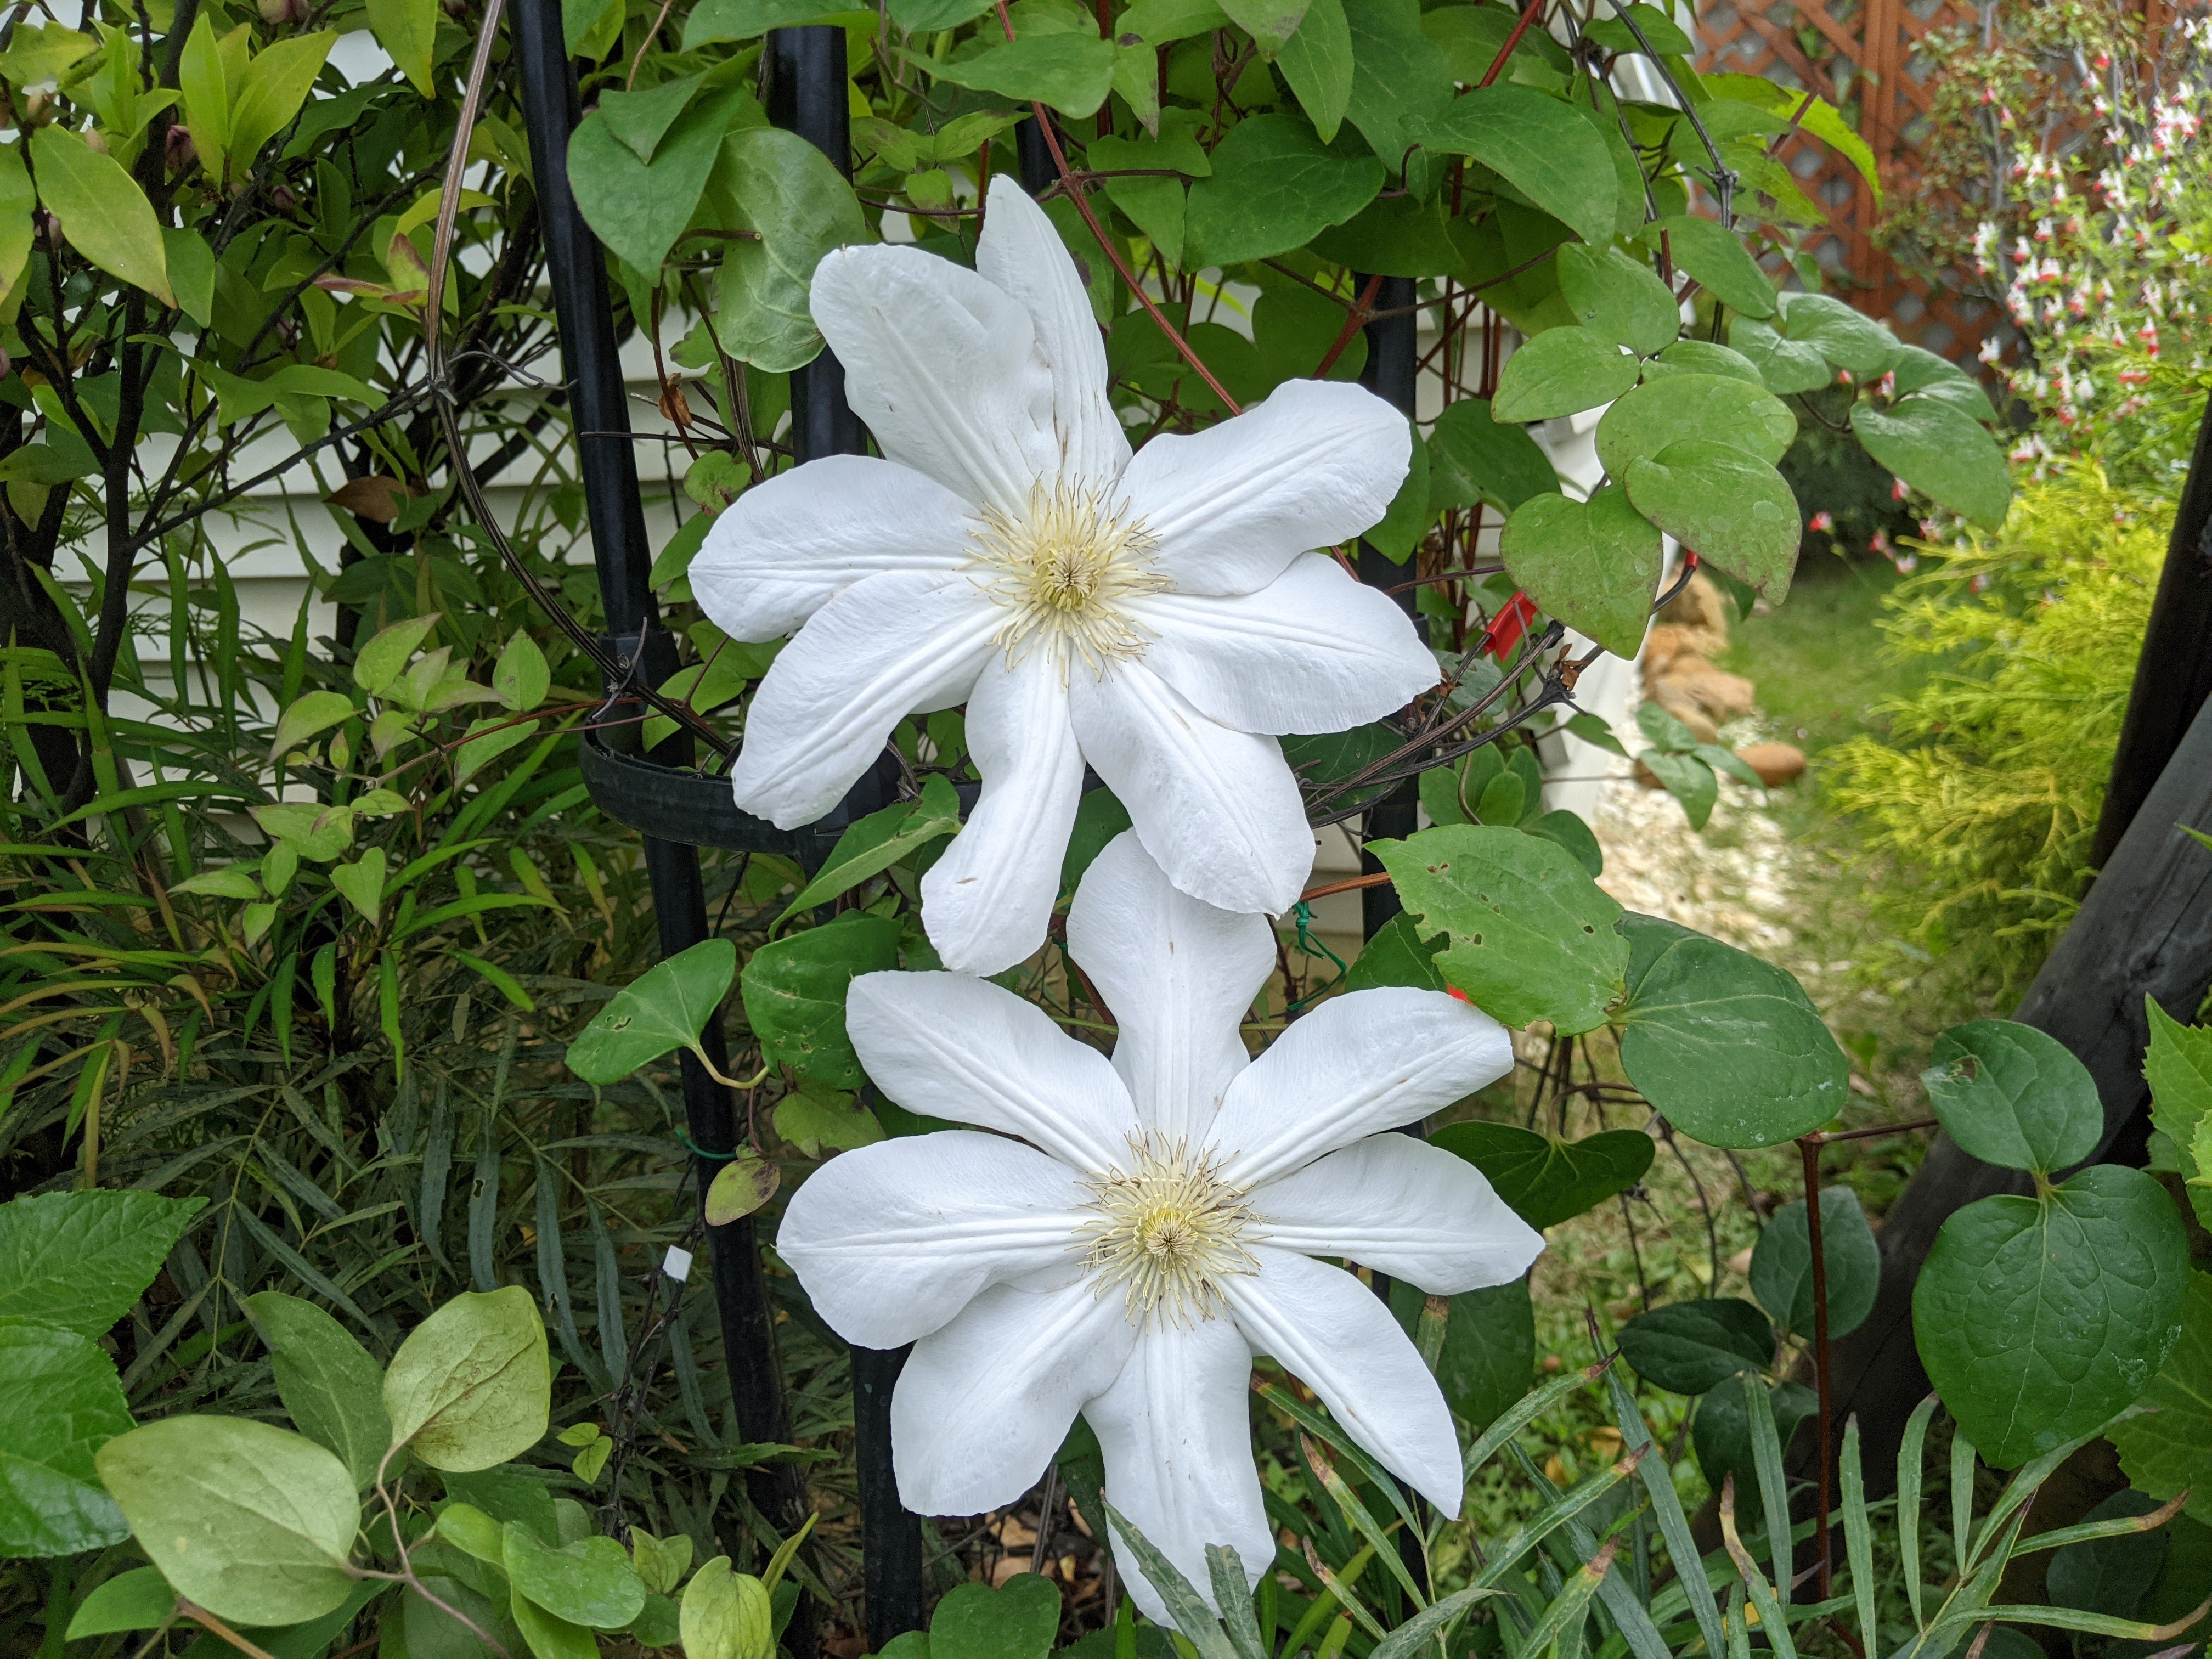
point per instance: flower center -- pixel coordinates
(1166, 1230)
(1061, 569)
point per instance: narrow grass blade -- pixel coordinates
(1340, 1588)
(1572, 1603)
(1773, 1486)
(1402, 1642)
(1234, 1597)
(2090, 1530)
(1962, 1492)
(614, 1340)
(1674, 1525)
(1911, 1453)
(1858, 1534)
(1525, 1538)
(1774, 1624)
(1532, 1406)
(1331, 1436)
(1184, 1604)
(1362, 1522)
(2100, 1624)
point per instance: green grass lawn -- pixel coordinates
(1816, 659)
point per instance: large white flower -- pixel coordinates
(1158, 1227)
(1160, 616)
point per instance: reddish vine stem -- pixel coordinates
(1528, 16)
(1075, 194)
(1353, 319)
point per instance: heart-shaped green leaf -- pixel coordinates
(740, 1187)
(363, 882)
(1547, 1180)
(664, 1008)
(2014, 1096)
(1782, 1264)
(1687, 1348)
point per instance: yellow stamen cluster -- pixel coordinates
(1061, 569)
(1166, 1230)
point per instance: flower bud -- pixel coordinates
(178, 150)
(283, 199)
(95, 141)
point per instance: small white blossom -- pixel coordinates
(1160, 1226)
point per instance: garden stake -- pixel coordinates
(598, 407)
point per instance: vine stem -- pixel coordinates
(1075, 194)
(217, 1628)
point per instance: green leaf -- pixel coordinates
(472, 1385)
(2112, 1574)
(1727, 1048)
(1686, 778)
(661, 1562)
(520, 675)
(205, 78)
(1563, 371)
(1703, 357)
(18, 202)
(1543, 148)
(43, 51)
(2179, 1070)
(61, 1403)
(408, 30)
(641, 119)
(2040, 1317)
(332, 1390)
(272, 89)
(1269, 22)
(316, 712)
(1687, 1348)
(1661, 31)
(1489, 1355)
(784, 188)
(1786, 366)
(664, 1008)
(1731, 508)
(1072, 72)
(1545, 1180)
(1396, 954)
(252, 1522)
(1782, 1264)
(589, 1582)
(1099, 817)
(2164, 1451)
(811, 1117)
(725, 1614)
(1813, 115)
(1473, 456)
(740, 1187)
(1940, 450)
(1531, 935)
(1845, 338)
(639, 208)
(1922, 371)
(1568, 830)
(1316, 61)
(1016, 1621)
(1676, 408)
(715, 21)
(79, 1259)
(1400, 79)
(1275, 186)
(878, 840)
(1593, 565)
(2012, 1096)
(140, 1599)
(1719, 261)
(1406, 520)
(1619, 297)
(548, 1635)
(794, 993)
(378, 666)
(103, 212)
(1721, 1431)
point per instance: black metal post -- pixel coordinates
(598, 406)
(806, 96)
(1392, 372)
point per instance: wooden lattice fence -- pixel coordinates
(1865, 57)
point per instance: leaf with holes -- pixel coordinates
(1727, 1048)
(664, 1009)
(2015, 1096)
(1531, 936)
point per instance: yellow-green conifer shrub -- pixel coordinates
(1982, 799)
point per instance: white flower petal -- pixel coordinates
(893, 645)
(1021, 253)
(1178, 975)
(1357, 1065)
(892, 1240)
(944, 368)
(987, 901)
(1340, 1340)
(947, 1046)
(782, 549)
(1176, 1431)
(1314, 463)
(1313, 650)
(1403, 1207)
(1218, 809)
(985, 1401)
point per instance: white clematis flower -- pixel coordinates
(1159, 1226)
(1160, 615)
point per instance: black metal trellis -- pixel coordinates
(1393, 373)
